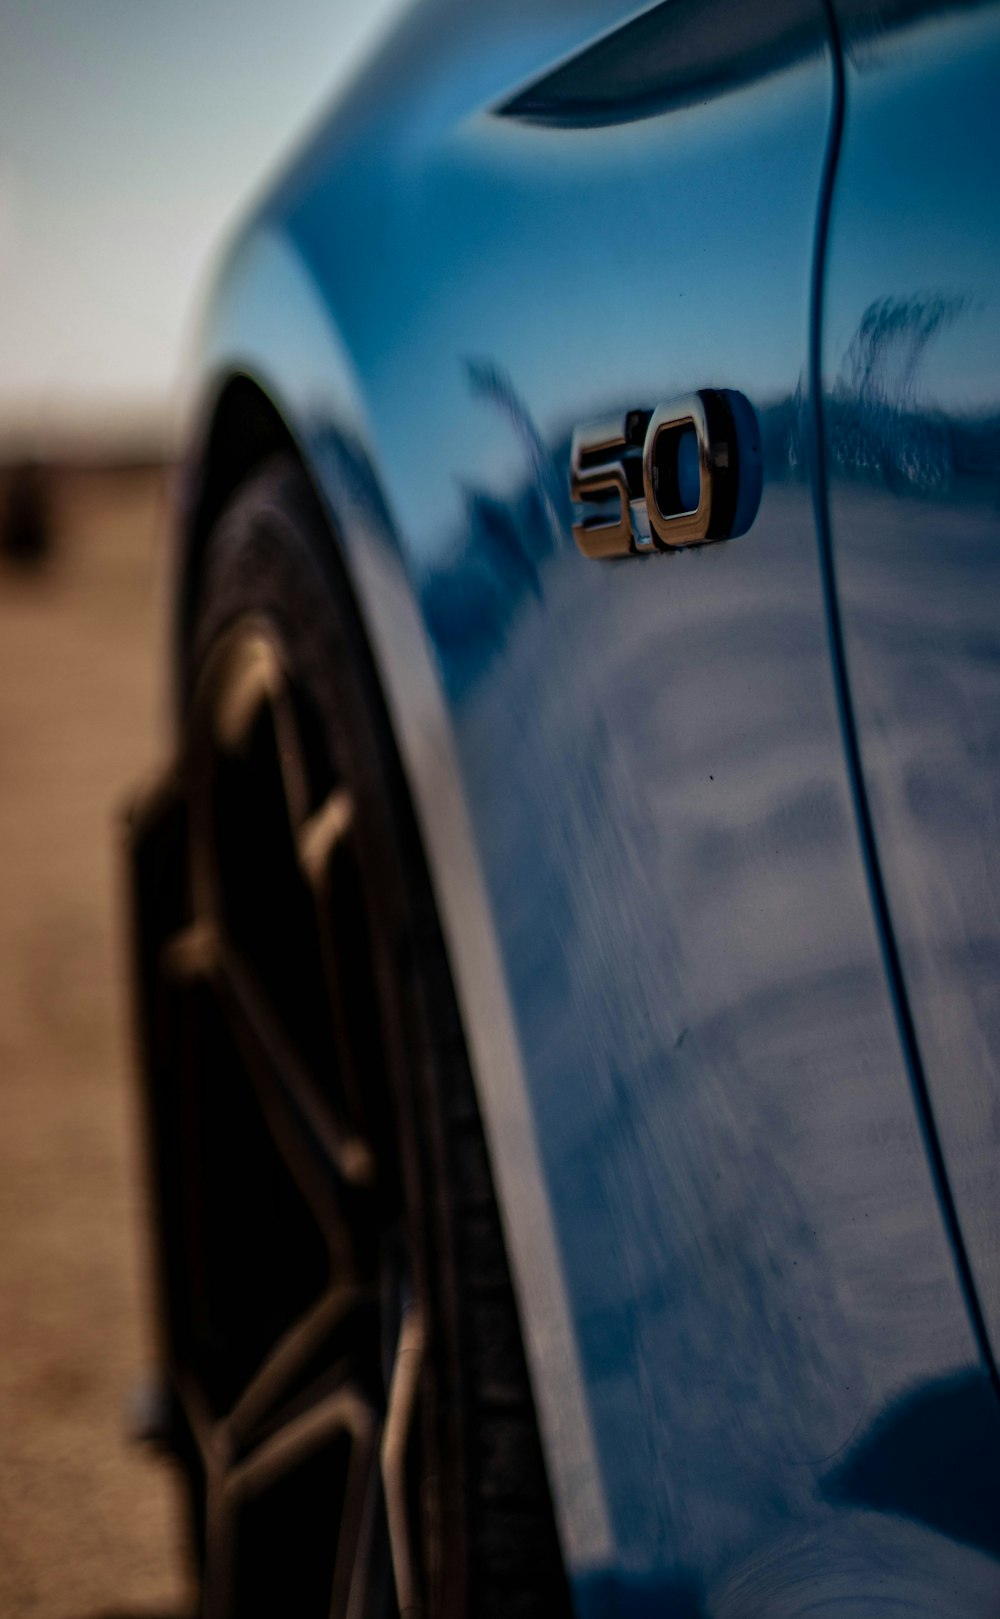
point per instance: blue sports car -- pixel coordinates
(567, 933)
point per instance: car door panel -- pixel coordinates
(911, 347)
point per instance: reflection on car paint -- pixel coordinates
(733, 1234)
(912, 413)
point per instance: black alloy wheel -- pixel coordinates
(340, 1345)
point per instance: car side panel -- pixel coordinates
(912, 386)
(741, 1305)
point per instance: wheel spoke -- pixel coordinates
(327, 863)
(192, 953)
(358, 1540)
(248, 675)
(273, 1062)
(209, 1435)
(252, 680)
(291, 1356)
(345, 1411)
(328, 858)
(396, 1442)
(320, 834)
(363, 1561)
(350, 1157)
(257, 1509)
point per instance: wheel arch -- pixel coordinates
(280, 376)
(272, 374)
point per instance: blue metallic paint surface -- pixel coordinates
(756, 1373)
(912, 383)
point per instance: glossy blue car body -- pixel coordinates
(713, 834)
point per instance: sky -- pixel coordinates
(132, 134)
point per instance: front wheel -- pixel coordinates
(340, 1337)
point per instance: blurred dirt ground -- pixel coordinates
(88, 1525)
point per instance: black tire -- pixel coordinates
(421, 1230)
